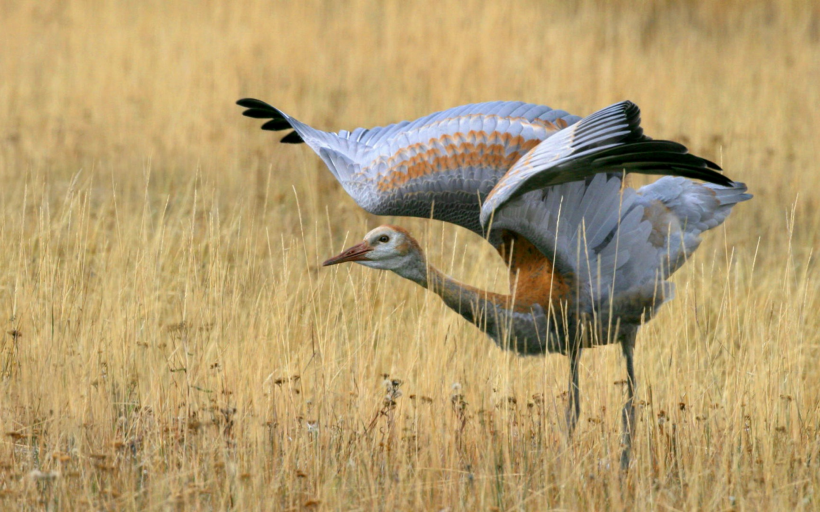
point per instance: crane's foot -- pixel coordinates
(574, 405)
(572, 416)
(625, 459)
(628, 418)
(628, 413)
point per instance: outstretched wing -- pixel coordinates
(608, 141)
(613, 246)
(593, 232)
(442, 165)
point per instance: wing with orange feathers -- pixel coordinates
(440, 166)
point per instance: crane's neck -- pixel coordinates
(524, 329)
(522, 326)
(462, 298)
(515, 327)
(470, 302)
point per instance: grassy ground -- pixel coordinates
(169, 339)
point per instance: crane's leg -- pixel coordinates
(628, 414)
(574, 405)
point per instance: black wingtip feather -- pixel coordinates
(674, 169)
(258, 113)
(633, 116)
(254, 103)
(649, 149)
(712, 165)
(292, 138)
(703, 175)
(661, 146)
(659, 157)
(276, 124)
(624, 113)
(258, 109)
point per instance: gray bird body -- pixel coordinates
(589, 257)
(619, 246)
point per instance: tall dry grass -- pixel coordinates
(170, 341)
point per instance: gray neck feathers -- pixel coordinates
(415, 270)
(524, 331)
(467, 301)
(456, 295)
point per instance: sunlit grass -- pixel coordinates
(171, 339)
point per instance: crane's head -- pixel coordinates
(385, 248)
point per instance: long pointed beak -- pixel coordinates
(355, 253)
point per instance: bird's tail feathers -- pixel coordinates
(730, 195)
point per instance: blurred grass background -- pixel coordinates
(169, 339)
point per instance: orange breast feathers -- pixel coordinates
(533, 279)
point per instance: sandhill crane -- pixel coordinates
(588, 256)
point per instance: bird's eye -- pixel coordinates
(384, 239)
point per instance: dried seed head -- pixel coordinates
(42, 476)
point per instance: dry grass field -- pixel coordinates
(170, 340)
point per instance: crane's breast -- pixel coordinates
(533, 277)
